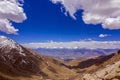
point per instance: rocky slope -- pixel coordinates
(111, 72)
(19, 63)
(98, 68)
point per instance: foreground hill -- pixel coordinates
(19, 63)
(111, 72)
(105, 67)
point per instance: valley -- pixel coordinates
(20, 63)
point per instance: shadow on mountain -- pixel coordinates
(3, 78)
(95, 61)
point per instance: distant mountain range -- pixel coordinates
(69, 54)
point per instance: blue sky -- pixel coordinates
(46, 22)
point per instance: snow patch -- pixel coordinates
(7, 45)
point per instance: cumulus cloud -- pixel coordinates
(104, 12)
(103, 35)
(11, 11)
(76, 45)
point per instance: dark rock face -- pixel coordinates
(118, 52)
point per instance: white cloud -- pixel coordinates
(105, 12)
(10, 11)
(76, 44)
(103, 35)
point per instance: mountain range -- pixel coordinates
(20, 63)
(70, 54)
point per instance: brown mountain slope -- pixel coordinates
(110, 72)
(19, 63)
(93, 64)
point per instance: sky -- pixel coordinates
(61, 20)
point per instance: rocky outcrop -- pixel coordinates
(111, 72)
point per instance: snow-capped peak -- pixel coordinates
(7, 44)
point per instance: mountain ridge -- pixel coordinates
(19, 63)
